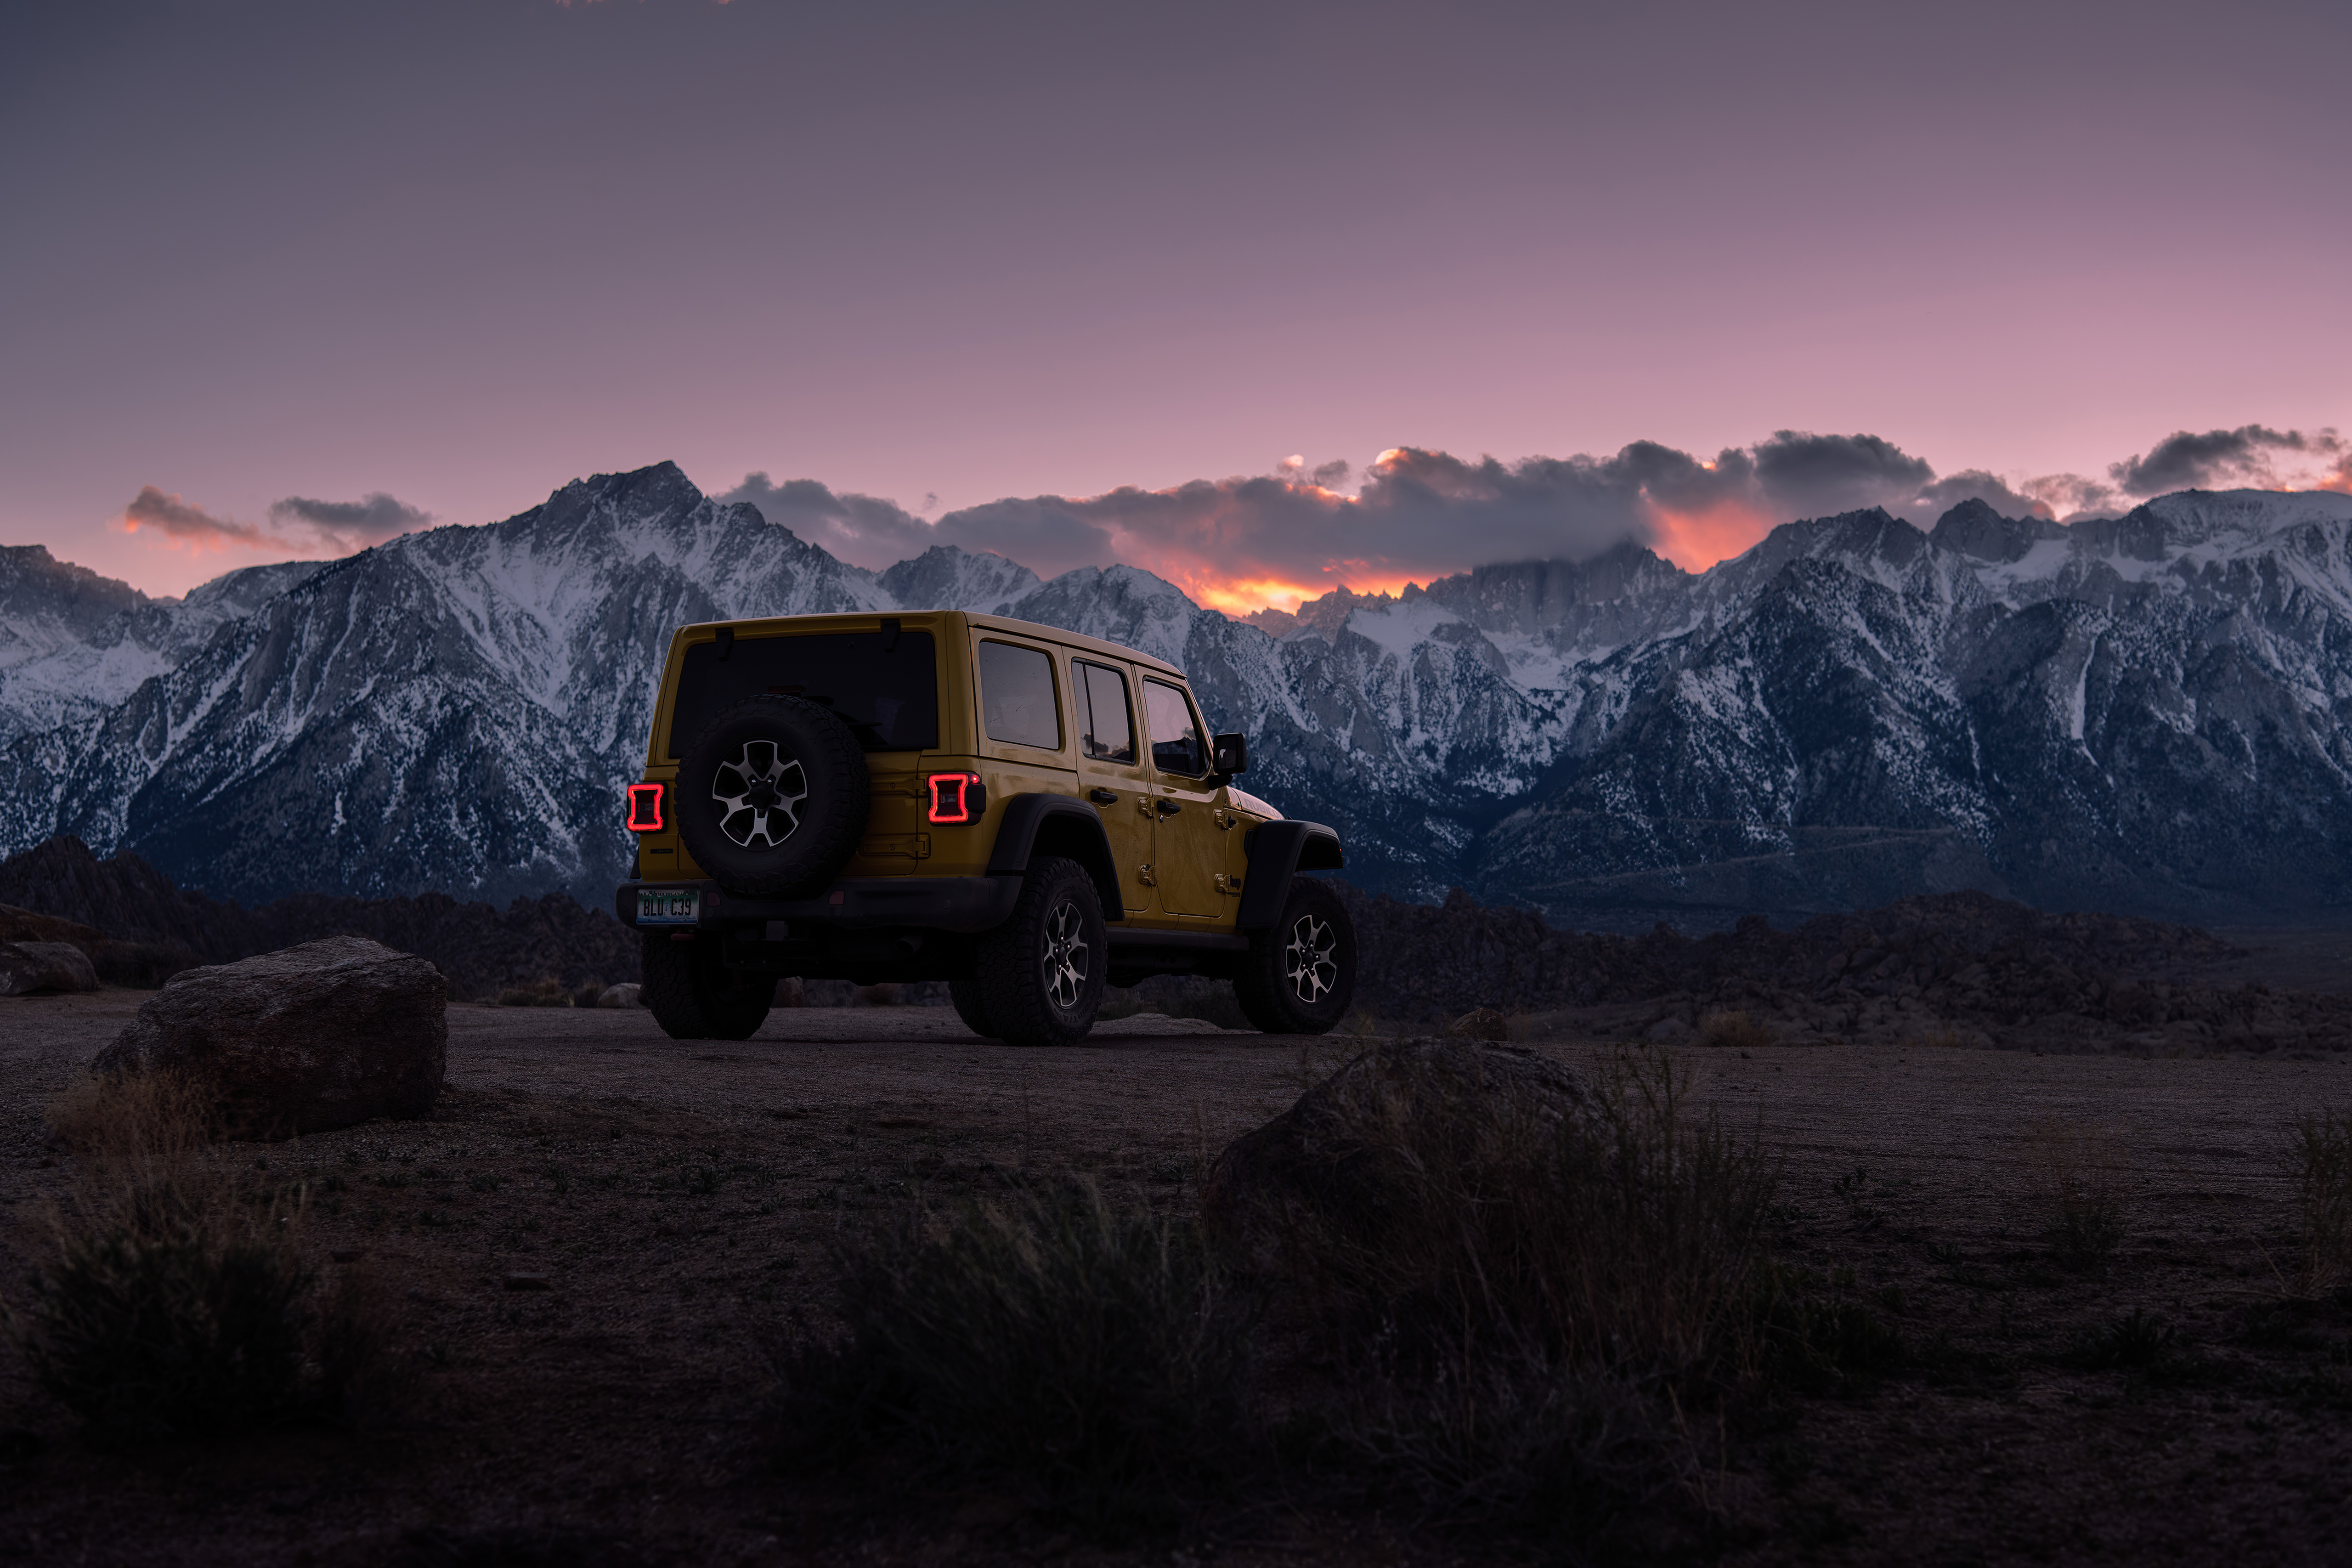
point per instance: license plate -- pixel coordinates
(669, 906)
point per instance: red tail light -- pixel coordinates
(645, 808)
(957, 797)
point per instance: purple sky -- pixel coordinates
(296, 255)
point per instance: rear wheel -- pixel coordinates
(694, 996)
(1299, 977)
(965, 994)
(1039, 976)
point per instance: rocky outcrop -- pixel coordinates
(317, 1037)
(153, 929)
(30, 966)
(1983, 967)
(1332, 1153)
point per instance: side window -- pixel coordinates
(1102, 710)
(1176, 745)
(1016, 696)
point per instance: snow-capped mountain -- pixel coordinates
(2140, 714)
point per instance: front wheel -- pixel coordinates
(1038, 977)
(692, 995)
(1298, 977)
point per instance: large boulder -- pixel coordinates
(27, 966)
(305, 1040)
(1342, 1153)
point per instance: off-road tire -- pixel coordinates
(799, 789)
(1298, 977)
(1040, 974)
(965, 994)
(693, 996)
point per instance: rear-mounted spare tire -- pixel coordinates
(771, 797)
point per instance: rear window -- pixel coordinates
(886, 684)
(1016, 696)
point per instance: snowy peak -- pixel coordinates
(947, 578)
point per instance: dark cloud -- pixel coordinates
(1809, 476)
(2225, 459)
(348, 525)
(1419, 513)
(2070, 498)
(192, 525)
(864, 530)
(1976, 484)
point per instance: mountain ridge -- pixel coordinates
(2140, 714)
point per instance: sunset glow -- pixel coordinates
(1695, 540)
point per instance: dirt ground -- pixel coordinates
(595, 1241)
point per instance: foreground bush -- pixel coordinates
(1049, 1342)
(1445, 1199)
(176, 1302)
(1501, 1285)
(2320, 1162)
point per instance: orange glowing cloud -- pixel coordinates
(1697, 538)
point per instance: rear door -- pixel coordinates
(1187, 853)
(1111, 768)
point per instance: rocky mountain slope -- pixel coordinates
(2141, 714)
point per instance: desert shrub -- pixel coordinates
(543, 994)
(1047, 1340)
(174, 1301)
(1737, 1031)
(1588, 1464)
(1502, 1294)
(2320, 1163)
(2074, 1182)
(1626, 1237)
(1818, 1336)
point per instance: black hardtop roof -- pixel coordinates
(846, 619)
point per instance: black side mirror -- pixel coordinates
(1230, 754)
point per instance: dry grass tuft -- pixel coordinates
(153, 1119)
(2074, 1179)
(1048, 1340)
(547, 993)
(175, 1301)
(1625, 1238)
(2319, 1161)
(1736, 1031)
(1505, 1308)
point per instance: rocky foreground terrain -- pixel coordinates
(1954, 966)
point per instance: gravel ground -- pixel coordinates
(678, 1204)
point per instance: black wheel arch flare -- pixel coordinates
(1276, 851)
(1056, 825)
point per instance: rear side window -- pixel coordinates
(885, 684)
(1102, 708)
(1016, 696)
(1176, 745)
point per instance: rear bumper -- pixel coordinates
(854, 903)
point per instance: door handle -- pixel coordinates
(1166, 807)
(1102, 797)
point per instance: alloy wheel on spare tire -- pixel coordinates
(1298, 977)
(771, 797)
(694, 996)
(1039, 976)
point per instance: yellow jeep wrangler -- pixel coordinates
(1026, 814)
